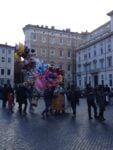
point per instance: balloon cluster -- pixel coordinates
(47, 76)
(22, 54)
(44, 74)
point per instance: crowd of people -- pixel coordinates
(56, 99)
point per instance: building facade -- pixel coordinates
(94, 58)
(56, 47)
(6, 64)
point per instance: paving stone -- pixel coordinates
(31, 132)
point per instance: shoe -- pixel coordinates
(47, 115)
(90, 118)
(102, 119)
(96, 117)
(25, 113)
(74, 116)
(43, 114)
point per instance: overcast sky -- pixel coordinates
(78, 15)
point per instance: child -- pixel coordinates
(10, 102)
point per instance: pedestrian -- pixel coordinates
(30, 95)
(90, 96)
(5, 95)
(101, 96)
(35, 95)
(10, 102)
(1, 92)
(73, 99)
(78, 94)
(48, 95)
(107, 92)
(22, 94)
(111, 97)
(17, 93)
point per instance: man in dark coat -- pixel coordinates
(90, 95)
(22, 94)
(5, 95)
(101, 102)
(73, 99)
(48, 95)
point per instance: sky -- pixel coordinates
(78, 15)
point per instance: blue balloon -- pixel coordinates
(45, 66)
(39, 70)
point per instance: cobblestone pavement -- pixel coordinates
(31, 132)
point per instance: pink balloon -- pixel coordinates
(40, 84)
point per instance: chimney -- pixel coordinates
(42, 26)
(52, 27)
(68, 30)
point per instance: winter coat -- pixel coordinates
(101, 100)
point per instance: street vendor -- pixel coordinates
(59, 89)
(58, 100)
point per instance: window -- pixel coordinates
(85, 67)
(44, 38)
(95, 64)
(79, 82)
(2, 71)
(89, 55)
(3, 51)
(109, 60)
(43, 52)
(102, 79)
(89, 66)
(85, 56)
(52, 52)
(52, 40)
(3, 59)
(110, 80)
(69, 41)
(9, 51)
(61, 40)
(33, 36)
(52, 63)
(61, 53)
(69, 76)
(94, 52)
(69, 67)
(61, 66)
(79, 58)
(89, 79)
(9, 60)
(8, 72)
(85, 82)
(79, 67)
(101, 50)
(101, 63)
(69, 53)
(109, 48)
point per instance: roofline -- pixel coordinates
(110, 13)
(93, 42)
(100, 27)
(7, 45)
(46, 28)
